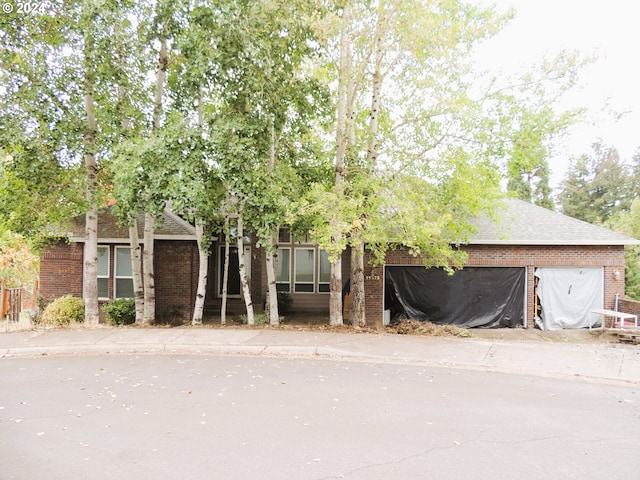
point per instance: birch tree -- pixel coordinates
(409, 114)
(265, 99)
(56, 77)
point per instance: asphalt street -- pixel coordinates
(209, 416)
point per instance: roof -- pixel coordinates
(522, 223)
(172, 227)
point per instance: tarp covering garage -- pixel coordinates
(471, 297)
(567, 296)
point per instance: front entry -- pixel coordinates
(234, 289)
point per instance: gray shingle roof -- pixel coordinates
(172, 228)
(522, 223)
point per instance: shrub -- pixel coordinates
(258, 319)
(121, 311)
(63, 311)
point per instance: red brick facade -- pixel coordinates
(176, 274)
(611, 258)
(61, 270)
(176, 267)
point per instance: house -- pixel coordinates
(303, 268)
(530, 267)
(176, 263)
(302, 274)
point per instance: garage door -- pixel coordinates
(567, 296)
(487, 297)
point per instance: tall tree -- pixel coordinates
(597, 185)
(263, 100)
(627, 222)
(57, 77)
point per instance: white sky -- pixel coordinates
(608, 29)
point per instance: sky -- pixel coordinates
(608, 86)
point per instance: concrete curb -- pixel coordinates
(595, 362)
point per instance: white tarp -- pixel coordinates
(567, 296)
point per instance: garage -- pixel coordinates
(474, 297)
(565, 297)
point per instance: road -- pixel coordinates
(209, 417)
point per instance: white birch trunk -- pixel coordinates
(335, 295)
(149, 315)
(344, 80)
(148, 272)
(134, 239)
(246, 291)
(225, 274)
(90, 268)
(136, 269)
(272, 291)
(198, 310)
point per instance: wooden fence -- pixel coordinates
(11, 304)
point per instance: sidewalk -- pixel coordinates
(596, 361)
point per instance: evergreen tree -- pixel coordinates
(597, 186)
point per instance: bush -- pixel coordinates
(121, 311)
(63, 311)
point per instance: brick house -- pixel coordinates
(510, 262)
(303, 268)
(578, 262)
(176, 263)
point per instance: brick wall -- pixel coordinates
(627, 305)
(61, 270)
(611, 258)
(176, 277)
(176, 274)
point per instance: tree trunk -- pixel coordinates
(149, 315)
(148, 271)
(272, 291)
(198, 310)
(90, 270)
(246, 292)
(335, 296)
(357, 296)
(225, 273)
(136, 269)
(357, 310)
(335, 282)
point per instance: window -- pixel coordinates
(123, 273)
(324, 272)
(283, 272)
(304, 239)
(284, 235)
(304, 275)
(103, 272)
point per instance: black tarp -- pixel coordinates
(486, 297)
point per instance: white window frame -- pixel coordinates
(313, 269)
(288, 282)
(320, 252)
(107, 276)
(117, 277)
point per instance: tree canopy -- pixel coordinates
(242, 109)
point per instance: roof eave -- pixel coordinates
(577, 243)
(124, 240)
